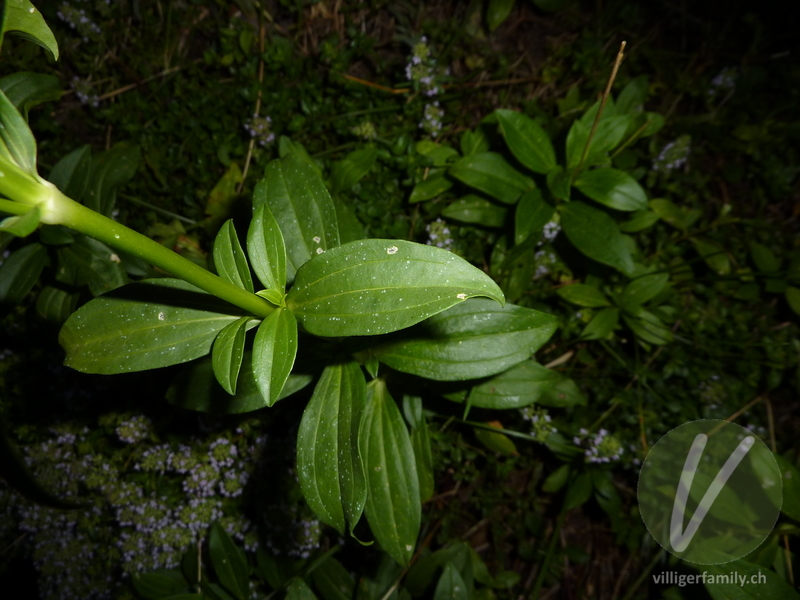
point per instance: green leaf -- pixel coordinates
(791, 488)
(632, 96)
(556, 480)
(474, 142)
(676, 216)
(528, 142)
(583, 295)
(759, 583)
(644, 288)
(490, 173)
(450, 586)
(393, 506)
(266, 248)
(349, 171)
(764, 258)
(646, 326)
(421, 443)
(16, 140)
(524, 384)
(579, 491)
(111, 170)
(89, 262)
(350, 228)
(221, 197)
(533, 213)
(229, 258)
(286, 147)
(158, 585)
(25, 90)
(713, 254)
(333, 581)
(640, 220)
(474, 209)
(328, 463)
(496, 441)
(609, 133)
(299, 590)
(227, 354)
(141, 326)
(274, 351)
(20, 272)
(72, 173)
(601, 325)
(22, 225)
(612, 188)
(196, 388)
(369, 287)
(559, 182)
(653, 123)
(471, 340)
(229, 562)
(54, 304)
(433, 186)
(25, 21)
(303, 208)
(596, 235)
(792, 295)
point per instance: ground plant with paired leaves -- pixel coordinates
(451, 418)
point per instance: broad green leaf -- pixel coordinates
(328, 464)
(583, 295)
(640, 220)
(474, 142)
(601, 325)
(110, 170)
(350, 228)
(612, 188)
(559, 182)
(24, 20)
(490, 173)
(303, 208)
(431, 187)
(222, 196)
(141, 326)
(760, 583)
(196, 388)
(349, 171)
(764, 258)
(369, 287)
(609, 133)
(496, 13)
(333, 581)
(792, 298)
(72, 173)
(17, 143)
(588, 116)
(528, 142)
(25, 90)
(227, 354)
(266, 248)
(450, 585)
(496, 441)
(714, 255)
(229, 562)
(274, 351)
(632, 96)
(653, 123)
(439, 155)
(674, 215)
(524, 384)
(596, 235)
(20, 272)
(22, 225)
(422, 573)
(393, 506)
(286, 146)
(533, 213)
(54, 304)
(649, 328)
(229, 258)
(642, 289)
(791, 488)
(299, 590)
(474, 209)
(161, 584)
(471, 340)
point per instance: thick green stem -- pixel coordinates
(65, 211)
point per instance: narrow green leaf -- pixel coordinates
(22, 225)
(229, 562)
(601, 325)
(274, 351)
(528, 142)
(54, 304)
(556, 480)
(328, 463)
(632, 96)
(110, 170)
(369, 287)
(16, 140)
(497, 12)
(393, 506)
(583, 295)
(640, 220)
(266, 248)
(496, 441)
(474, 209)
(451, 586)
(474, 142)
(579, 491)
(71, 174)
(89, 262)
(229, 258)
(227, 354)
(350, 228)
(421, 443)
(676, 216)
(20, 272)
(24, 20)
(532, 214)
(141, 326)
(490, 173)
(433, 186)
(642, 289)
(646, 326)
(25, 90)
(596, 235)
(764, 258)
(350, 170)
(471, 340)
(609, 133)
(612, 188)
(653, 122)
(299, 590)
(303, 208)
(714, 255)
(439, 155)
(333, 581)
(524, 384)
